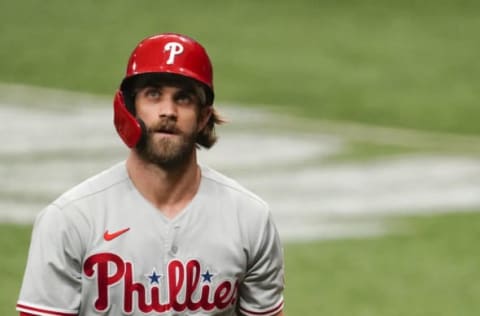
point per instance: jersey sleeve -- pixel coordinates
(52, 279)
(261, 292)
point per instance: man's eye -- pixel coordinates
(184, 98)
(152, 93)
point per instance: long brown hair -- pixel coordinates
(208, 136)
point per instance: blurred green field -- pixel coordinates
(429, 268)
(395, 63)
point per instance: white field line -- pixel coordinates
(54, 141)
(428, 140)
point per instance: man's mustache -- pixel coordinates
(164, 126)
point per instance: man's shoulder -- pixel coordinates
(231, 188)
(95, 186)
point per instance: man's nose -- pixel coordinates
(167, 108)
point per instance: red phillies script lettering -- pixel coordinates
(186, 291)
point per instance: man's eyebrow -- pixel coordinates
(187, 89)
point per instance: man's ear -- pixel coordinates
(205, 114)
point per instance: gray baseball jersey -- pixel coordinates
(102, 249)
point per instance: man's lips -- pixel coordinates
(165, 129)
(169, 131)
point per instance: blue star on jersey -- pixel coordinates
(207, 277)
(154, 277)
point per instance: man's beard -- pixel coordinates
(167, 152)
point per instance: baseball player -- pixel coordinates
(157, 234)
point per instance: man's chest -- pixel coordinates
(142, 266)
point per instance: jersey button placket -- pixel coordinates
(171, 247)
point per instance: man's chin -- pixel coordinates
(167, 156)
(166, 150)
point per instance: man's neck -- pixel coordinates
(169, 190)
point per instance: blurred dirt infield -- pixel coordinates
(54, 139)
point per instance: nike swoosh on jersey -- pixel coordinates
(110, 236)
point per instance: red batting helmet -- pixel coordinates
(167, 53)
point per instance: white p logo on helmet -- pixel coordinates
(175, 49)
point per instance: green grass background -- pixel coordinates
(395, 63)
(432, 269)
(410, 64)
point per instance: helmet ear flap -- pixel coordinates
(128, 127)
